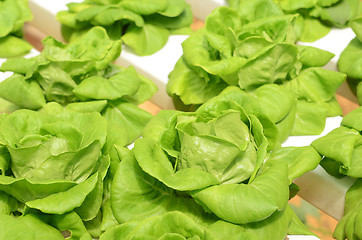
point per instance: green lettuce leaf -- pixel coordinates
(347, 154)
(313, 57)
(69, 223)
(173, 17)
(353, 119)
(174, 8)
(350, 61)
(191, 88)
(18, 90)
(26, 190)
(145, 40)
(127, 118)
(355, 24)
(123, 83)
(310, 118)
(62, 202)
(299, 159)
(253, 10)
(290, 5)
(244, 203)
(27, 227)
(348, 226)
(274, 227)
(145, 7)
(8, 204)
(313, 29)
(172, 225)
(269, 67)
(11, 46)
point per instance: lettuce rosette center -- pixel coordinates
(222, 147)
(62, 146)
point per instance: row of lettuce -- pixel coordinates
(13, 15)
(218, 172)
(144, 25)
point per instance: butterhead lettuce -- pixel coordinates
(56, 165)
(81, 77)
(250, 51)
(213, 166)
(144, 26)
(67, 110)
(13, 15)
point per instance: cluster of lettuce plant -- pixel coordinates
(52, 167)
(67, 109)
(248, 49)
(13, 15)
(317, 17)
(342, 151)
(81, 77)
(350, 61)
(213, 167)
(143, 25)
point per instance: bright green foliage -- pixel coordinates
(349, 227)
(42, 227)
(247, 48)
(213, 166)
(56, 162)
(144, 26)
(13, 15)
(80, 76)
(45, 142)
(350, 61)
(317, 17)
